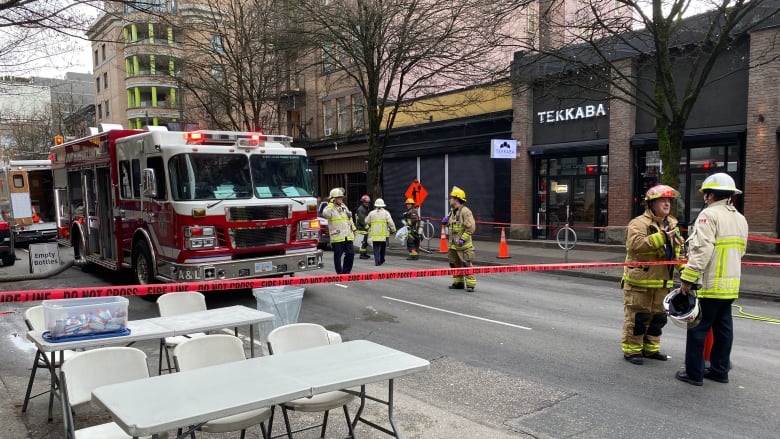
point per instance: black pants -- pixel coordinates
(347, 250)
(379, 252)
(715, 314)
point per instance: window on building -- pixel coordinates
(218, 44)
(96, 58)
(100, 111)
(533, 20)
(218, 73)
(97, 84)
(342, 122)
(327, 56)
(105, 79)
(103, 51)
(358, 112)
(327, 113)
(105, 103)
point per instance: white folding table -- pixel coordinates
(162, 403)
(156, 328)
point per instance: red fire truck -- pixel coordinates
(187, 206)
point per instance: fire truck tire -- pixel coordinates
(142, 264)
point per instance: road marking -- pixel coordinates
(498, 322)
(341, 285)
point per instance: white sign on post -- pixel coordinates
(503, 149)
(44, 257)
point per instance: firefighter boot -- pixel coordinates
(413, 255)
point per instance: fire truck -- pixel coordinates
(187, 206)
(27, 187)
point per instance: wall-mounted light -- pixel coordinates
(760, 118)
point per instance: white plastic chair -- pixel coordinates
(88, 370)
(172, 304)
(35, 321)
(299, 336)
(211, 350)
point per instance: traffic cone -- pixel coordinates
(708, 345)
(503, 250)
(443, 242)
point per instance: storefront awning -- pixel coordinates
(731, 132)
(570, 147)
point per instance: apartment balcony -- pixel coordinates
(145, 78)
(146, 110)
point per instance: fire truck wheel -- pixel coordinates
(142, 264)
(9, 260)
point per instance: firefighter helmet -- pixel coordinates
(458, 193)
(683, 309)
(720, 182)
(379, 203)
(365, 198)
(661, 191)
(410, 201)
(336, 193)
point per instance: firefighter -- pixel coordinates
(652, 236)
(360, 221)
(341, 230)
(462, 226)
(380, 225)
(412, 219)
(715, 249)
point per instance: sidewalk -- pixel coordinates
(757, 282)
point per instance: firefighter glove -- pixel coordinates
(445, 220)
(461, 242)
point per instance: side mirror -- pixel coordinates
(148, 183)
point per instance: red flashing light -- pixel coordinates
(193, 136)
(257, 138)
(706, 165)
(5, 225)
(590, 169)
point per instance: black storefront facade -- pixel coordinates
(597, 156)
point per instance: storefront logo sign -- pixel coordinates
(573, 113)
(503, 149)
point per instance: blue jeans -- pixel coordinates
(347, 250)
(379, 252)
(715, 314)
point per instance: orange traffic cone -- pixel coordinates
(443, 242)
(708, 345)
(503, 250)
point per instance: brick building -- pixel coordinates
(586, 150)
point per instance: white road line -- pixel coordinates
(498, 322)
(341, 285)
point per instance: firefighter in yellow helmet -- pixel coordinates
(462, 226)
(412, 220)
(652, 236)
(715, 249)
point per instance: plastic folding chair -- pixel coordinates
(211, 350)
(89, 370)
(35, 321)
(303, 336)
(172, 304)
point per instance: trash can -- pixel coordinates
(283, 302)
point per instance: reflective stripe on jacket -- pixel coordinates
(380, 224)
(340, 226)
(715, 249)
(645, 242)
(461, 226)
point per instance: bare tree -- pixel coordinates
(679, 50)
(235, 72)
(28, 135)
(396, 50)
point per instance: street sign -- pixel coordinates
(416, 192)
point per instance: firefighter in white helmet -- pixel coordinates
(652, 236)
(715, 249)
(341, 230)
(380, 225)
(461, 225)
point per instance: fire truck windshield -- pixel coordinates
(237, 176)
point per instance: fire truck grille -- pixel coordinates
(256, 237)
(253, 213)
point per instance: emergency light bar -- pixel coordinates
(210, 137)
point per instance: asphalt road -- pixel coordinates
(526, 355)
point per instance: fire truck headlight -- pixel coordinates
(309, 230)
(200, 237)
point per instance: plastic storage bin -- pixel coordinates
(87, 316)
(283, 302)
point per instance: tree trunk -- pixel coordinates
(670, 139)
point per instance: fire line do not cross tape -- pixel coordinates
(221, 285)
